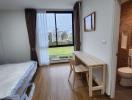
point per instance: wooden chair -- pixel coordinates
(77, 69)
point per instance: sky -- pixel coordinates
(64, 22)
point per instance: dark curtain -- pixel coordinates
(76, 14)
(30, 15)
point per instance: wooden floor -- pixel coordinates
(52, 84)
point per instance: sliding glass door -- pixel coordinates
(60, 30)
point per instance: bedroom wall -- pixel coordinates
(99, 42)
(14, 43)
(1, 52)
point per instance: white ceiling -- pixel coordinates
(42, 4)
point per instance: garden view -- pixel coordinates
(60, 35)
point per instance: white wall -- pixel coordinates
(99, 42)
(14, 43)
(1, 52)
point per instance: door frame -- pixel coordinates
(115, 40)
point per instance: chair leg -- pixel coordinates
(69, 75)
(87, 78)
(74, 80)
(81, 76)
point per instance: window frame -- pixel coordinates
(62, 12)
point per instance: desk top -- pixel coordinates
(89, 60)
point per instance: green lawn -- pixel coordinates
(61, 51)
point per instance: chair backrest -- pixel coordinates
(72, 64)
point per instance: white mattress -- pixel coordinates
(12, 76)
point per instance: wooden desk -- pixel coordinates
(92, 62)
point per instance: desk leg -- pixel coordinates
(104, 78)
(90, 82)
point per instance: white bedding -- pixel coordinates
(12, 76)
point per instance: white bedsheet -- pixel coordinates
(11, 75)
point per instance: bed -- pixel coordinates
(15, 79)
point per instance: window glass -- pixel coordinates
(60, 29)
(64, 29)
(51, 29)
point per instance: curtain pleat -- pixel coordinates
(42, 38)
(30, 15)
